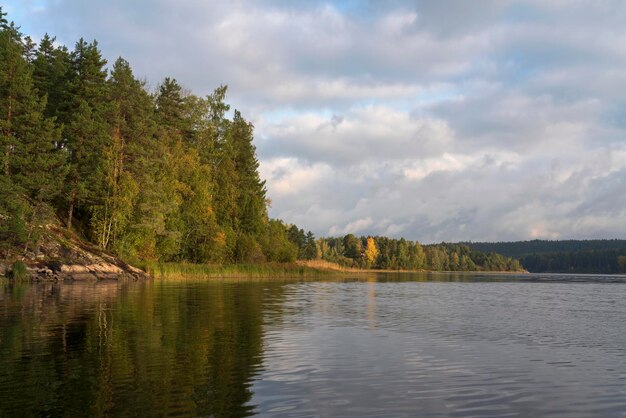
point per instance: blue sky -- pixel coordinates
(446, 120)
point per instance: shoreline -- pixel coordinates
(165, 271)
(333, 267)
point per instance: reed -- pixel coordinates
(18, 271)
(261, 270)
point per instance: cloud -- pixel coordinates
(288, 178)
(370, 133)
(354, 227)
(456, 163)
(455, 120)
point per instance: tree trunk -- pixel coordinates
(7, 156)
(31, 226)
(7, 150)
(70, 211)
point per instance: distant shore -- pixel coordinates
(334, 267)
(62, 256)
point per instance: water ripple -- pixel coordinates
(446, 349)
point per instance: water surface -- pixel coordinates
(392, 345)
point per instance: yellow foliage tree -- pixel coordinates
(371, 251)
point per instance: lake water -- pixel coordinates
(393, 345)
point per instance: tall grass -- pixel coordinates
(261, 270)
(18, 271)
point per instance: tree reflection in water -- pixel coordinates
(112, 348)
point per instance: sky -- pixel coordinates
(430, 120)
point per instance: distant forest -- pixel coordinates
(400, 254)
(567, 256)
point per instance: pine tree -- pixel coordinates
(251, 199)
(170, 105)
(222, 161)
(51, 75)
(31, 158)
(32, 164)
(310, 247)
(86, 130)
(14, 88)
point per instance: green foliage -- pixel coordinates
(305, 243)
(32, 168)
(524, 248)
(51, 76)
(352, 247)
(565, 256)
(18, 271)
(86, 134)
(310, 250)
(27, 137)
(588, 262)
(14, 209)
(400, 254)
(277, 246)
(165, 177)
(248, 250)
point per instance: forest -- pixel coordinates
(606, 256)
(400, 254)
(163, 175)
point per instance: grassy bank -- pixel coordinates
(336, 268)
(300, 269)
(261, 270)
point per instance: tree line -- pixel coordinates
(537, 246)
(589, 262)
(607, 256)
(400, 254)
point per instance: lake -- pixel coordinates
(387, 345)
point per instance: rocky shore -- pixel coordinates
(61, 255)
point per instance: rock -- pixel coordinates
(54, 265)
(61, 255)
(83, 276)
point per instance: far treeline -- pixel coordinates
(567, 256)
(400, 254)
(164, 176)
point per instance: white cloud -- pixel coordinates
(354, 227)
(458, 163)
(287, 177)
(370, 133)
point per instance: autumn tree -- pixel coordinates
(371, 251)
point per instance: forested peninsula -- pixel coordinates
(600, 256)
(96, 168)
